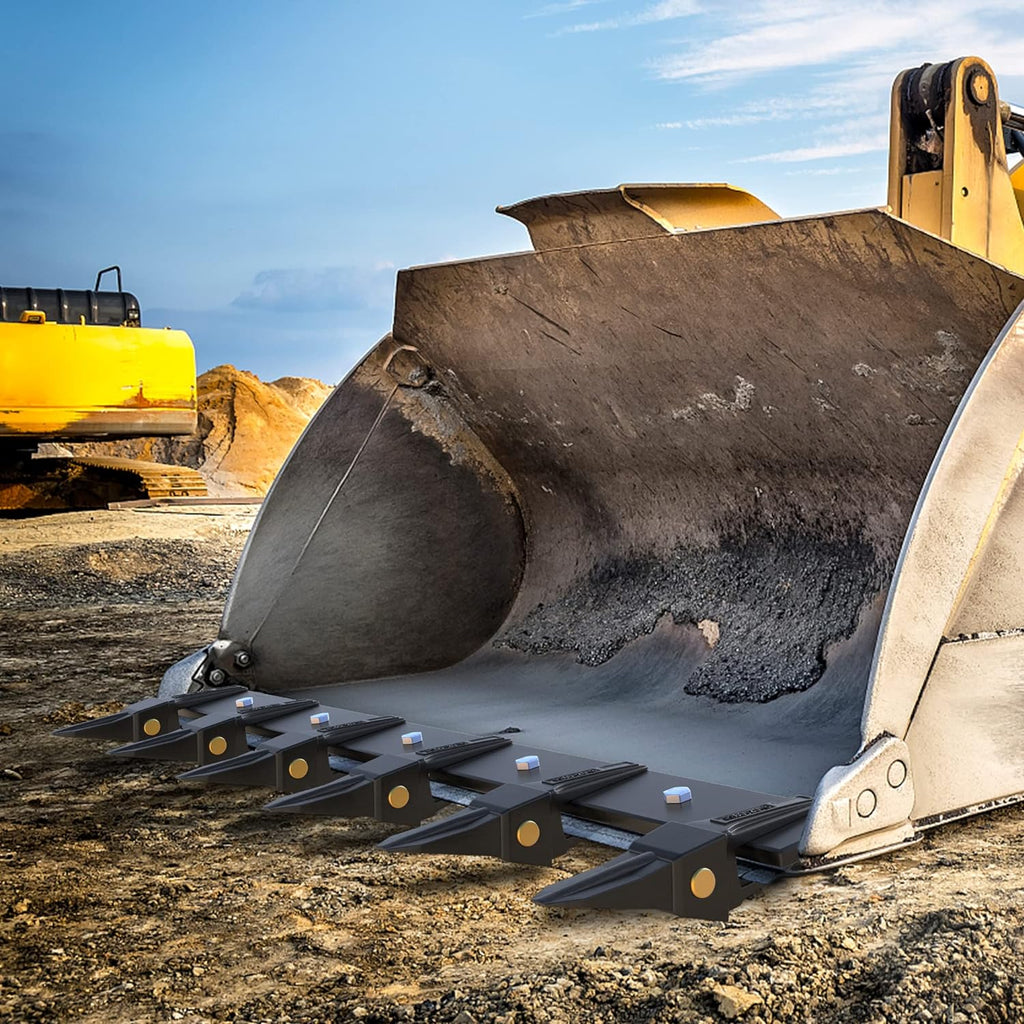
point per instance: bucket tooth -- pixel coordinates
(145, 718)
(178, 745)
(517, 823)
(389, 788)
(678, 868)
(512, 822)
(686, 869)
(121, 725)
(350, 796)
(253, 768)
(474, 831)
(288, 763)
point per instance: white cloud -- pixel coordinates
(562, 8)
(775, 35)
(846, 57)
(664, 10)
(328, 288)
(823, 151)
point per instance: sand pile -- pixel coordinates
(246, 429)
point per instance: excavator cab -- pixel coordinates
(694, 530)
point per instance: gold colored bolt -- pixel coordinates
(398, 797)
(702, 883)
(151, 726)
(299, 768)
(980, 87)
(217, 746)
(528, 833)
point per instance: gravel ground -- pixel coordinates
(126, 895)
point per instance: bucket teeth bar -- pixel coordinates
(212, 737)
(686, 869)
(290, 763)
(392, 787)
(145, 718)
(700, 847)
(519, 823)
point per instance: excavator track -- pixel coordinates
(92, 482)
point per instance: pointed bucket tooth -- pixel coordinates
(180, 745)
(631, 881)
(475, 831)
(253, 768)
(117, 726)
(351, 796)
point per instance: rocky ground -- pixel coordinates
(126, 895)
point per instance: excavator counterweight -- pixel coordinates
(79, 366)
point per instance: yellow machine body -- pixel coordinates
(76, 382)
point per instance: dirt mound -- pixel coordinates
(246, 429)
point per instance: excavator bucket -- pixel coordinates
(694, 531)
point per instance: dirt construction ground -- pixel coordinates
(126, 895)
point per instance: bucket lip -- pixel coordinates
(879, 213)
(871, 211)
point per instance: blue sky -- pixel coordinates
(261, 169)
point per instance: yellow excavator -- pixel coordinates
(79, 366)
(695, 531)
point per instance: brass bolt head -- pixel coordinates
(151, 726)
(299, 768)
(528, 833)
(217, 746)
(398, 797)
(702, 883)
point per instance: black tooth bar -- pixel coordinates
(519, 823)
(745, 826)
(338, 735)
(201, 697)
(518, 817)
(437, 758)
(257, 716)
(593, 780)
